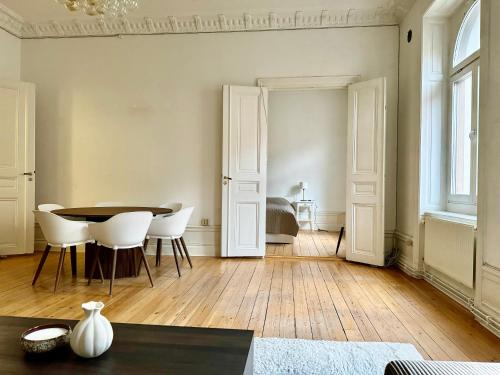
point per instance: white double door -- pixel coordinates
(17, 167)
(245, 166)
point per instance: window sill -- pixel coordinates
(452, 217)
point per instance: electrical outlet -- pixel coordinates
(204, 222)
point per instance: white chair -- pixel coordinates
(62, 233)
(174, 206)
(49, 207)
(109, 204)
(171, 228)
(123, 231)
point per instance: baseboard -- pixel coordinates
(404, 266)
(403, 237)
(448, 289)
(200, 240)
(487, 321)
(404, 242)
(203, 250)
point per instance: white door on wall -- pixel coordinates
(365, 172)
(244, 159)
(17, 167)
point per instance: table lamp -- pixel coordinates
(303, 186)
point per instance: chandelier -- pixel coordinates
(101, 7)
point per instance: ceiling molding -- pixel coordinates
(390, 14)
(10, 21)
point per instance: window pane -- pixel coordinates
(468, 40)
(461, 130)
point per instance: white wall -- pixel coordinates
(409, 136)
(10, 57)
(488, 253)
(487, 278)
(307, 142)
(139, 119)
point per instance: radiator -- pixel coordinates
(450, 249)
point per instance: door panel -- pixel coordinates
(244, 166)
(17, 156)
(365, 172)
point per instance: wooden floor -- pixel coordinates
(284, 297)
(308, 244)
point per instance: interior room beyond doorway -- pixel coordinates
(307, 166)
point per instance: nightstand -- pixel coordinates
(305, 212)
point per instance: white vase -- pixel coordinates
(92, 335)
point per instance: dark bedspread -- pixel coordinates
(280, 217)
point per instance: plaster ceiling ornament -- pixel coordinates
(101, 7)
(147, 21)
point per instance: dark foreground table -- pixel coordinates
(137, 349)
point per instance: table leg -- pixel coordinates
(73, 260)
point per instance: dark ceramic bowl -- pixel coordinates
(44, 338)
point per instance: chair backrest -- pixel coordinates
(49, 207)
(109, 204)
(171, 226)
(59, 231)
(174, 206)
(122, 231)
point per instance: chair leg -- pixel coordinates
(179, 247)
(147, 266)
(73, 260)
(40, 265)
(175, 257)
(158, 252)
(186, 252)
(113, 273)
(94, 263)
(100, 269)
(59, 266)
(340, 239)
(146, 241)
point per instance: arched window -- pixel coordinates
(468, 39)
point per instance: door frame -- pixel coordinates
(307, 83)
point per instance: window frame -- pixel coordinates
(461, 203)
(475, 55)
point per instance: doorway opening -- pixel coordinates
(306, 172)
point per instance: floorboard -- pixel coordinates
(307, 244)
(312, 298)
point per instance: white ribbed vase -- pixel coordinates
(92, 335)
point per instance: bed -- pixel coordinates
(281, 221)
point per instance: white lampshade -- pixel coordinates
(303, 185)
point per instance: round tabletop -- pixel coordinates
(107, 212)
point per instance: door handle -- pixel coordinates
(28, 174)
(226, 180)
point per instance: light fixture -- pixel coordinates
(111, 8)
(303, 186)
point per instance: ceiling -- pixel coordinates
(48, 18)
(49, 10)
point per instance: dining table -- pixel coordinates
(127, 259)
